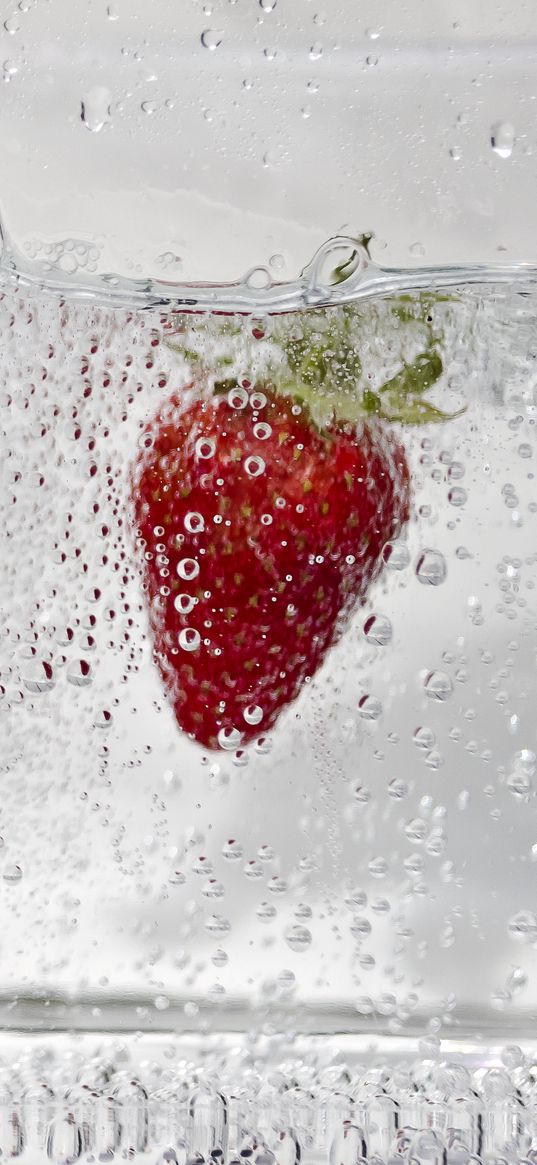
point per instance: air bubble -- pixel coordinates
(253, 714)
(502, 139)
(184, 604)
(237, 398)
(457, 496)
(431, 568)
(194, 523)
(298, 938)
(254, 466)
(79, 673)
(396, 555)
(229, 739)
(211, 39)
(189, 639)
(39, 677)
(95, 108)
(188, 568)
(378, 630)
(438, 686)
(204, 448)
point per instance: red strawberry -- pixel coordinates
(260, 535)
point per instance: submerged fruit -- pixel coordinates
(260, 535)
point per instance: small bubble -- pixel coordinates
(457, 496)
(517, 981)
(217, 925)
(371, 60)
(237, 398)
(189, 639)
(277, 262)
(431, 568)
(455, 153)
(525, 450)
(104, 719)
(39, 677)
(438, 686)
(95, 108)
(417, 249)
(298, 938)
(184, 604)
(79, 673)
(370, 707)
(194, 522)
(522, 927)
(229, 739)
(204, 448)
(397, 789)
(12, 873)
(188, 568)
(258, 279)
(268, 5)
(396, 555)
(258, 400)
(502, 139)
(266, 912)
(378, 630)
(378, 867)
(253, 714)
(232, 851)
(211, 39)
(316, 51)
(254, 466)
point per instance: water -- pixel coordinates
(365, 865)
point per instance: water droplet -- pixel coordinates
(517, 981)
(229, 738)
(12, 873)
(431, 568)
(188, 568)
(316, 51)
(104, 719)
(502, 138)
(211, 39)
(277, 262)
(268, 5)
(189, 639)
(95, 108)
(455, 153)
(254, 466)
(525, 450)
(417, 249)
(232, 850)
(298, 938)
(79, 673)
(149, 107)
(378, 630)
(438, 685)
(416, 830)
(371, 60)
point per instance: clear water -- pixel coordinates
(366, 867)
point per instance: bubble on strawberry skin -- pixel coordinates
(229, 739)
(188, 568)
(205, 448)
(253, 714)
(254, 466)
(189, 639)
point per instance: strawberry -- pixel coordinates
(260, 534)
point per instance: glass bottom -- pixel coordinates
(274, 1099)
